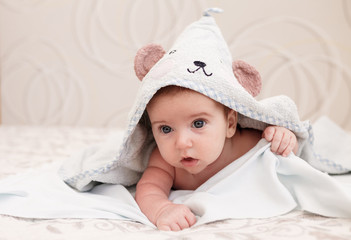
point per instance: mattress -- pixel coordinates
(29, 147)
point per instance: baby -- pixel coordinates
(196, 137)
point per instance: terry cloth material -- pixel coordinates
(198, 60)
(334, 150)
(259, 184)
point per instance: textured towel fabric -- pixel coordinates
(332, 144)
(260, 184)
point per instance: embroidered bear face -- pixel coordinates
(154, 57)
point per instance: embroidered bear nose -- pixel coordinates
(200, 64)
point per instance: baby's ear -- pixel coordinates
(146, 58)
(232, 119)
(248, 77)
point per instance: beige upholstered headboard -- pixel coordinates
(70, 62)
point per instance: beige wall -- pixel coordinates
(70, 62)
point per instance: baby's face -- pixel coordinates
(189, 128)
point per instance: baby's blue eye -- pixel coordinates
(166, 129)
(199, 124)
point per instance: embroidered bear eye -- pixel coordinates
(171, 52)
(166, 129)
(199, 124)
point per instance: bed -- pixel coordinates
(30, 147)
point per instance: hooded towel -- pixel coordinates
(199, 60)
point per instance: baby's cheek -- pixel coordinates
(213, 148)
(167, 153)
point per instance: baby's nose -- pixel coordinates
(184, 140)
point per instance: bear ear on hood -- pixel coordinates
(248, 77)
(149, 55)
(146, 58)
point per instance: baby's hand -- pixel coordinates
(175, 217)
(283, 140)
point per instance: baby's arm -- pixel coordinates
(152, 196)
(283, 140)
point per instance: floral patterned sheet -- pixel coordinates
(23, 148)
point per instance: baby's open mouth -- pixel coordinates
(189, 162)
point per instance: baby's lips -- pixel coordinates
(189, 162)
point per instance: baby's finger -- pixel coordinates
(183, 223)
(284, 143)
(164, 227)
(288, 150)
(187, 220)
(290, 147)
(191, 219)
(268, 133)
(276, 141)
(175, 227)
